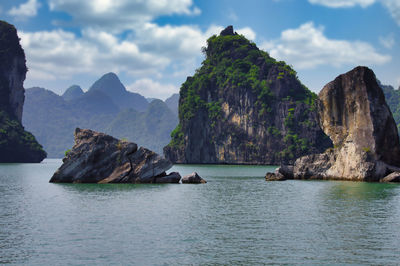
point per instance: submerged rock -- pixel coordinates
(193, 178)
(100, 158)
(354, 114)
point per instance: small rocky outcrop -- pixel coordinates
(393, 177)
(354, 114)
(16, 144)
(193, 178)
(244, 107)
(100, 158)
(275, 177)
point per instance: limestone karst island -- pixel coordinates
(192, 132)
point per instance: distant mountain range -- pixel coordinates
(393, 100)
(107, 107)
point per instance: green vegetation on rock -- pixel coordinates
(236, 94)
(16, 144)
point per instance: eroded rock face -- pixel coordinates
(100, 158)
(354, 114)
(12, 71)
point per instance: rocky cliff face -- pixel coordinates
(12, 71)
(244, 107)
(354, 114)
(16, 145)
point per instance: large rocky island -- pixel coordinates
(16, 144)
(244, 107)
(354, 114)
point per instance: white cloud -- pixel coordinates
(146, 50)
(149, 51)
(307, 47)
(25, 10)
(152, 88)
(387, 41)
(248, 33)
(393, 6)
(177, 42)
(60, 54)
(342, 3)
(120, 15)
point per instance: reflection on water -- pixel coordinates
(236, 218)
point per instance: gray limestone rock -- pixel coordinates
(393, 177)
(193, 178)
(100, 158)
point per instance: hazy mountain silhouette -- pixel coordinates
(110, 85)
(53, 118)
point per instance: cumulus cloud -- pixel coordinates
(179, 42)
(60, 54)
(120, 15)
(147, 52)
(307, 47)
(25, 10)
(248, 33)
(387, 41)
(393, 6)
(145, 49)
(152, 88)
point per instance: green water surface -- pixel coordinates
(236, 218)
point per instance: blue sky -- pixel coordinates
(154, 45)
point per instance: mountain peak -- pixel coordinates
(110, 75)
(109, 83)
(72, 92)
(111, 86)
(228, 31)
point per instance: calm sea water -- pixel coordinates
(236, 218)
